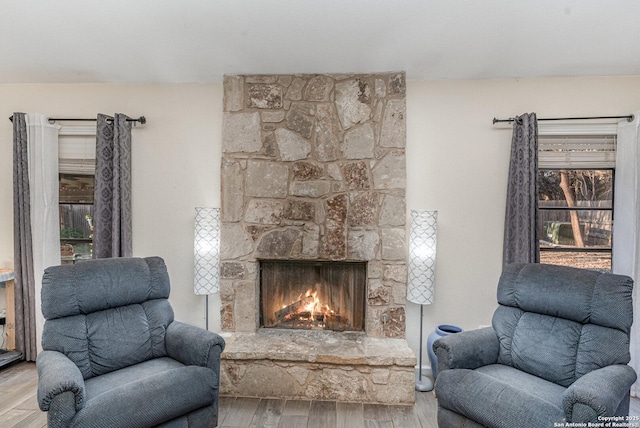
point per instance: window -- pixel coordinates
(76, 217)
(575, 200)
(76, 163)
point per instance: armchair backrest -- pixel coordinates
(559, 323)
(106, 314)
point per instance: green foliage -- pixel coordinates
(71, 233)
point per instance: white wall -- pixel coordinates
(175, 161)
(457, 164)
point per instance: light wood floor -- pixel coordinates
(276, 413)
(18, 402)
(19, 409)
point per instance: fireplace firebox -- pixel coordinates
(312, 295)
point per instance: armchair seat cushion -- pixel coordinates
(146, 394)
(497, 395)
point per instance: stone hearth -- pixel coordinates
(318, 365)
(314, 168)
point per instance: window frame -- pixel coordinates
(76, 156)
(588, 131)
(569, 209)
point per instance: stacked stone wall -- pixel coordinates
(314, 168)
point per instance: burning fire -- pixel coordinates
(309, 308)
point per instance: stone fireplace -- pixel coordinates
(313, 181)
(318, 295)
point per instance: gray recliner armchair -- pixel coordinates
(557, 352)
(113, 355)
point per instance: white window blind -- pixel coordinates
(577, 151)
(571, 146)
(572, 152)
(77, 150)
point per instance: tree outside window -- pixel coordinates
(575, 210)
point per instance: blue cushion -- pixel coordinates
(553, 320)
(146, 394)
(501, 396)
(579, 295)
(541, 345)
(107, 314)
(600, 347)
(83, 288)
(108, 340)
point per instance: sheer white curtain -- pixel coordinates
(626, 232)
(42, 154)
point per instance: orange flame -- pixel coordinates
(315, 303)
(313, 307)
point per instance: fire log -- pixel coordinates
(336, 322)
(294, 307)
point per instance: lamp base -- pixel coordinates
(424, 385)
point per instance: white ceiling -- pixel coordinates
(173, 41)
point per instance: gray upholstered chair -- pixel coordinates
(557, 352)
(113, 355)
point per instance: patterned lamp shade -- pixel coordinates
(422, 257)
(207, 251)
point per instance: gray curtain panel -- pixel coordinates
(24, 281)
(521, 218)
(112, 198)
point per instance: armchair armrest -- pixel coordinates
(467, 350)
(57, 375)
(194, 346)
(598, 393)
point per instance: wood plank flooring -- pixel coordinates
(19, 409)
(18, 402)
(236, 412)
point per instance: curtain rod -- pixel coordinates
(629, 117)
(141, 119)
